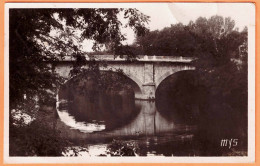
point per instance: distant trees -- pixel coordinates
(187, 40)
(171, 41)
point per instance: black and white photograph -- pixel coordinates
(129, 82)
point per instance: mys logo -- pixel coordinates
(229, 142)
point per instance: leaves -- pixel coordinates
(39, 36)
(36, 139)
(123, 148)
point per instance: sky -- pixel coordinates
(164, 14)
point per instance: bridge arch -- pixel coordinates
(171, 72)
(177, 76)
(127, 74)
(139, 91)
(178, 97)
(134, 82)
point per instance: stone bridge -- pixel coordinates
(147, 72)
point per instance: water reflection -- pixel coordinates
(147, 126)
(81, 126)
(99, 111)
(94, 118)
(154, 134)
(147, 122)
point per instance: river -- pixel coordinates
(97, 121)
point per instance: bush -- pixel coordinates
(36, 139)
(123, 148)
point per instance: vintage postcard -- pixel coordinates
(129, 83)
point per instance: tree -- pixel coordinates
(171, 41)
(220, 52)
(38, 36)
(185, 40)
(222, 69)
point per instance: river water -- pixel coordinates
(97, 121)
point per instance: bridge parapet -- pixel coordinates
(142, 58)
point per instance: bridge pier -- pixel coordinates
(148, 87)
(148, 92)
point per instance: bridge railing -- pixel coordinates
(139, 58)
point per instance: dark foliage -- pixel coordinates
(32, 45)
(36, 139)
(220, 79)
(123, 148)
(33, 48)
